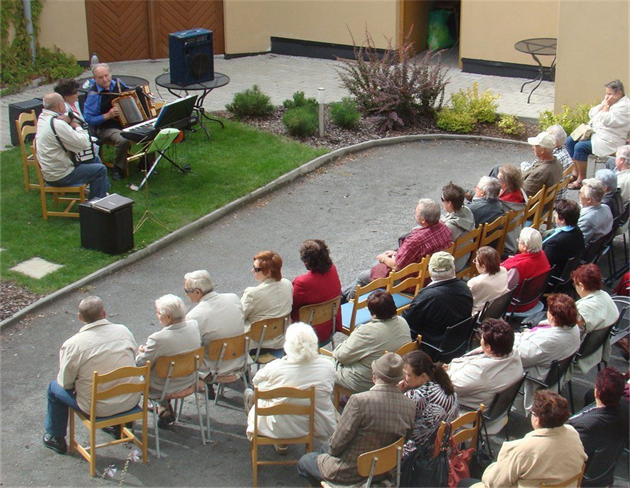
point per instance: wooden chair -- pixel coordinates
(285, 408)
(514, 224)
(534, 205)
(227, 349)
(464, 428)
(59, 195)
(381, 461)
(567, 172)
(492, 234)
(26, 125)
(355, 312)
(122, 377)
(179, 366)
(267, 329)
(571, 482)
(338, 390)
(547, 203)
(409, 347)
(320, 313)
(467, 244)
(411, 277)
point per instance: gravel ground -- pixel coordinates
(14, 298)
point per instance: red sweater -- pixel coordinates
(528, 265)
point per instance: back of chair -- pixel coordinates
(567, 172)
(531, 290)
(320, 313)
(381, 461)
(410, 346)
(267, 329)
(461, 430)
(40, 176)
(545, 216)
(555, 282)
(593, 341)
(497, 308)
(128, 379)
(502, 402)
(406, 278)
(286, 407)
(557, 370)
(600, 467)
(362, 291)
(455, 340)
(570, 482)
(593, 250)
(228, 349)
(492, 233)
(534, 204)
(26, 125)
(180, 365)
(467, 244)
(514, 225)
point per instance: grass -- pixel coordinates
(236, 161)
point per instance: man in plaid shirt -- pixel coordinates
(431, 235)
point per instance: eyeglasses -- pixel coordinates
(189, 290)
(258, 270)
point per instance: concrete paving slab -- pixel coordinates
(36, 267)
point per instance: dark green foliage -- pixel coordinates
(251, 103)
(345, 114)
(300, 100)
(300, 121)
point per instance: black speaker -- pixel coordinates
(110, 232)
(15, 109)
(191, 56)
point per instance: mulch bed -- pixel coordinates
(15, 297)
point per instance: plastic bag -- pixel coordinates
(439, 35)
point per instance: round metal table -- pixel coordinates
(541, 46)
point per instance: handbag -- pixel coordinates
(582, 132)
(483, 456)
(458, 464)
(423, 468)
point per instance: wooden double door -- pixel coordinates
(123, 30)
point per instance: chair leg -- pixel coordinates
(255, 464)
(571, 396)
(71, 438)
(203, 435)
(156, 430)
(207, 415)
(92, 450)
(179, 403)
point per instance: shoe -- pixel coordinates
(167, 417)
(57, 444)
(113, 430)
(281, 449)
(210, 391)
(116, 173)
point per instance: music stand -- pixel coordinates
(159, 144)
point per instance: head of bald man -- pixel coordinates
(54, 101)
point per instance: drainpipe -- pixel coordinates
(29, 27)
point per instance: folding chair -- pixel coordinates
(556, 373)
(355, 312)
(320, 313)
(600, 467)
(284, 408)
(594, 250)
(558, 282)
(227, 349)
(622, 328)
(454, 342)
(502, 404)
(267, 329)
(592, 342)
(122, 377)
(179, 366)
(497, 308)
(26, 125)
(405, 284)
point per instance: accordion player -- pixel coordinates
(134, 106)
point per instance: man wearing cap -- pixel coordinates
(546, 169)
(371, 420)
(444, 302)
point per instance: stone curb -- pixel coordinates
(232, 207)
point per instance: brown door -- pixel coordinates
(122, 30)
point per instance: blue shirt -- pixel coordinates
(92, 107)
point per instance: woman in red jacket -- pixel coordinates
(320, 284)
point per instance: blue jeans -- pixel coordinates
(579, 150)
(59, 400)
(93, 173)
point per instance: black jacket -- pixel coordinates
(562, 247)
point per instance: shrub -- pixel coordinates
(453, 121)
(394, 85)
(300, 121)
(569, 118)
(510, 125)
(250, 103)
(345, 114)
(300, 100)
(483, 108)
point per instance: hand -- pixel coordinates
(389, 254)
(114, 112)
(445, 366)
(403, 385)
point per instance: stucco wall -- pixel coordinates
(249, 24)
(63, 24)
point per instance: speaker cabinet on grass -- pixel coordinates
(191, 56)
(107, 225)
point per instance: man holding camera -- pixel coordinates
(57, 136)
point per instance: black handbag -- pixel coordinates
(421, 469)
(483, 456)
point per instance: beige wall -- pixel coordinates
(63, 24)
(593, 49)
(249, 24)
(490, 28)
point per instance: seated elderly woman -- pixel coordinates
(610, 121)
(302, 367)
(385, 332)
(551, 453)
(272, 298)
(491, 368)
(176, 337)
(492, 281)
(459, 218)
(555, 339)
(596, 310)
(511, 181)
(320, 284)
(566, 240)
(595, 219)
(69, 90)
(529, 263)
(430, 387)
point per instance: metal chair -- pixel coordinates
(502, 404)
(600, 467)
(179, 366)
(558, 282)
(621, 328)
(123, 385)
(530, 292)
(557, 371)
(454, 341)
(283, 408)
(497, 308)
(594, 250)
(267, 329)
(321, 313)
(355, 312)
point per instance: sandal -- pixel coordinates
(167, 417)
(575, 186)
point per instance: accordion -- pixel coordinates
(135, 106)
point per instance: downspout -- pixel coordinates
(29, 27)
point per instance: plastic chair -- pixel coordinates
(141, 376)
(622, 327)
(557, 283)
(59, 194)
(594, 250)
(557, 371)
(502, 404)
(179, 366)
(320, 313)
(267, 329)
(600, 467)
(454, 342)
(26, 125)
(573, 481)
(284, 408)
(531, 291)
(411, 277)
(497, 308)
(355, 312)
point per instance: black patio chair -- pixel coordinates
(496, 309)
(454, 342)
(502, 404)
(594, 250)
(557, 371)
(531, 291)
(600, 467)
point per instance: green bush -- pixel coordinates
(569, 118)
(345, 114)
(250, 103)
(510, 125)
(300, 100)
(300, 121)
(482, 107)
(451, 120)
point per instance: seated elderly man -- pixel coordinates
(546, 169)
(485, 206)
(595, 218)
(612, 197)
(428, 237)
(444, 302)
(560, 151)
(98, 346)
(566, 240)
(218, 315)
(371, 420)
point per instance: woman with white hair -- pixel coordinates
(528, 263)
(176, 337)
(595, 219)
(302, 367)
(560, 151)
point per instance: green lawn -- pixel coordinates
(235, 162)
